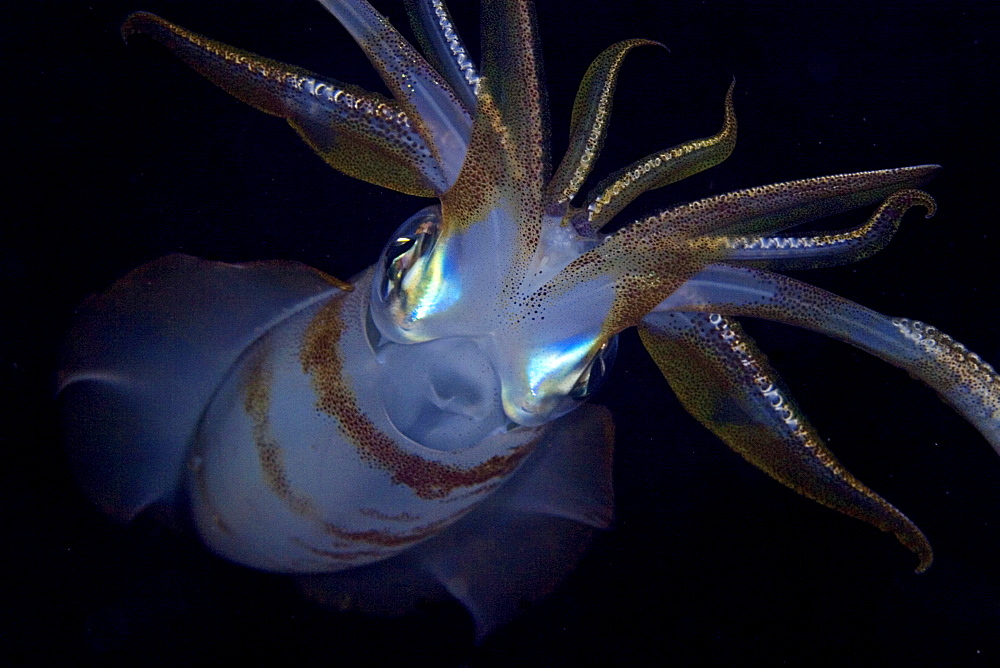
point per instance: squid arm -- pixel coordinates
(589, 122)
(435, 31)
(588, 129)
(360, 133)
(960, 377)
(726, 383)
(428, 99)
(828, 249)
(659, 169)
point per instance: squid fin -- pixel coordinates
(143, 360)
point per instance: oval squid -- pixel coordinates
(427, 420)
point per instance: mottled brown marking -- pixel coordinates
(428, 479)
(257, 402)
(388, 517)
(507, 162)
(387, 539)
(341, 556)
(399, 64)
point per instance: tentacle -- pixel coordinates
(831, 249)
(420, 90)
(726, 383)
(960, 377)
(512, 65)
(772, 208)
(589, 123)
(443, 47)
(507, 163)
(359, 133)
(659, 169)
(646, 261)
(496, 201)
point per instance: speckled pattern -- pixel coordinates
(429, 479)
(507, 162)
(851, 245)
(661, 168)
(361, 133)
(726, 382)
(589, 124)
(415, 85)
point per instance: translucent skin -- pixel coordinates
(313, 437)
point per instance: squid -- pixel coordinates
(423, 428)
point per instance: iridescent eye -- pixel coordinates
(597, 371)
(413, 240)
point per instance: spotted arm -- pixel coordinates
(357, 132)
(440, 41)
(725, 381)
(960, 377)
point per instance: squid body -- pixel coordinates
(426, 422)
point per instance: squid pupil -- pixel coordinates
(397, 261)
(403, 253)
(597, 371)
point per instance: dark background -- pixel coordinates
(115, 155)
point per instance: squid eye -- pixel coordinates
(412, 241)
(597, 372)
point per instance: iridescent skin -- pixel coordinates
(323, 426)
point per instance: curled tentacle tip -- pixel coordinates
(136, 22)
(931, 207)
(925, 562)
(918, 544)
(911, 197)
(928, 202)
(921, 198)
(642, 41)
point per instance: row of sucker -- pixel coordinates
(589, 123)
(507, 161)
(333, 117)
(659, 169)
(829, 249)
(650, 258)
(975, 374)
(436, 110)
(725, 381)
(461, 57)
